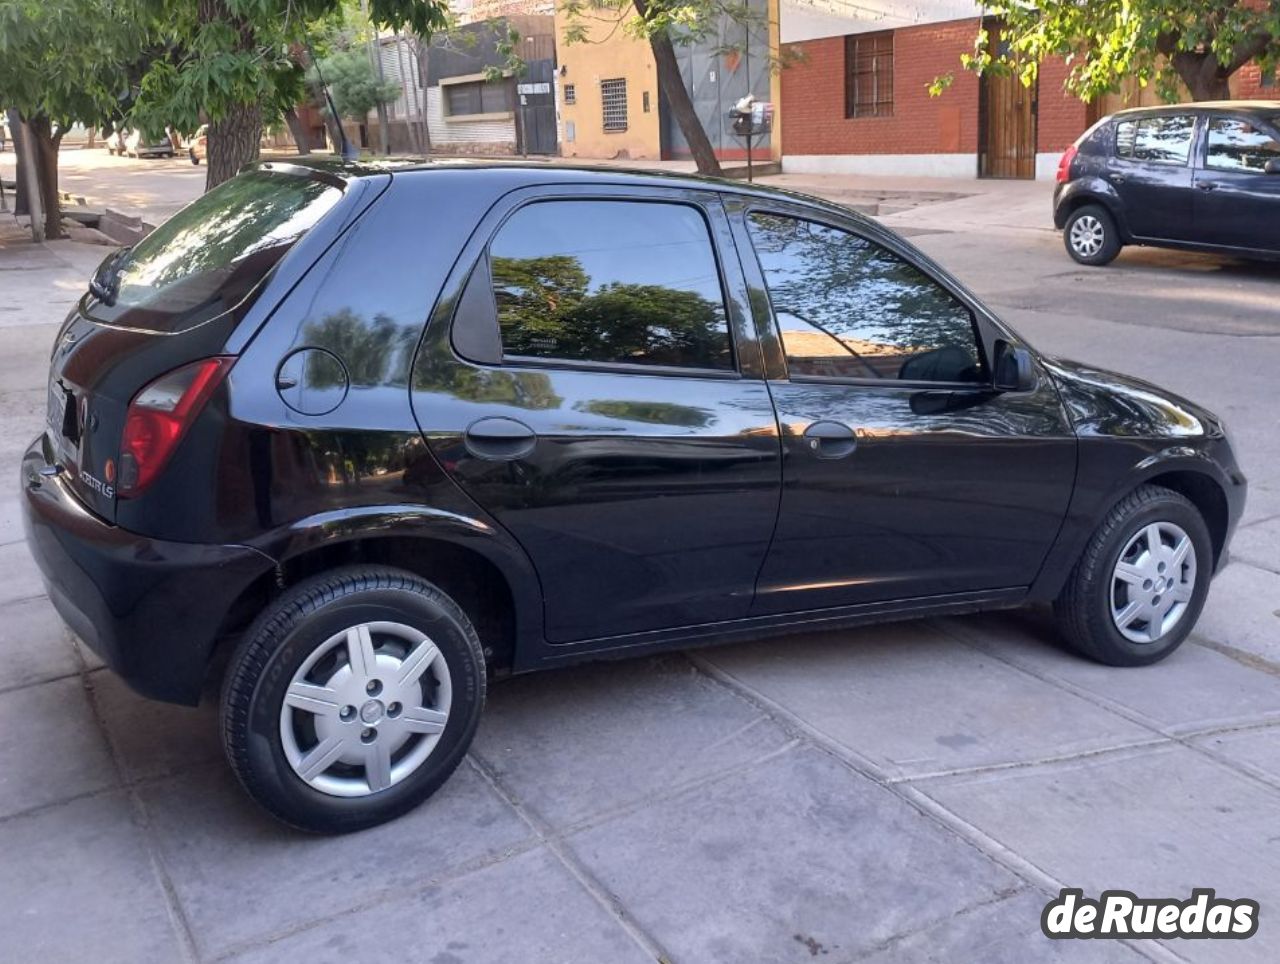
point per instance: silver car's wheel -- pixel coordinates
(1153, 582)
(1087, 236)
(366, 709)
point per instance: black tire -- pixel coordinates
(1083, 611)
(194, 159)
(1091, 236)
(286, 634)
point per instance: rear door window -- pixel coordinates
(610, 282)
(211, 255)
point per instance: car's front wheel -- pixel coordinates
(1138, 589)
(1091, 236)
(352, 698)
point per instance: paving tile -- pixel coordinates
(1192, 689)
(10, 522)
(1158, 822)
(241, 877)
(913, 700)
(527, 908)
(798, 851)
(21, 579)
(1256, 750)
(1258, 545)
(556, 739)
(34, 644)
(51, 748)
(1243, 611)
(1003, 932)
(155, 739)
(78, 885)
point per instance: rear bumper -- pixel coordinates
(151, 609)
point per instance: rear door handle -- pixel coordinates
(1117, 179)
(1207, 185)
(500, 439)
(830, 440)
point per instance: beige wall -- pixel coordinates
(609, 53)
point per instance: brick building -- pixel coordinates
(856, 99)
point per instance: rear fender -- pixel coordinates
(1091, 190)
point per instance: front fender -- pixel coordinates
(1101, 483)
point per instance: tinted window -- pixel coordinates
(849, 308)
(610, 281)
(1237, 146)
(210, 255)
(1166, 140)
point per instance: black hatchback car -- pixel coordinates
(347, 440)
(1204, 177)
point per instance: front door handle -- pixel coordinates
(1117, 178)
(830, 440)
(1207, 185)
(499, 439)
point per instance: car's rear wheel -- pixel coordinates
(352, 699)
(1091, 236)
(1138, 589)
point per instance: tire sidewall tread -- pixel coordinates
(1111, 238)
(282, 637)
(1083, 609)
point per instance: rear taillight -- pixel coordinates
(159, 416)
(1064, 165)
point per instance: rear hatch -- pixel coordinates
(172, 299)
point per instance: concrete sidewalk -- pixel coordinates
(901, 793)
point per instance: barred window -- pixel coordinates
(613, 99)
(570, 94)
(868, 61)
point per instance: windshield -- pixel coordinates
(211, 255)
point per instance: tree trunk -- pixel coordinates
(406, 80)
(301, 136)
(233, 143)
(21, 206)
(234, 139)
(45, 150)
(672, 86)
(420, 90)
(1205, 76)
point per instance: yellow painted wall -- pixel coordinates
(609, 53)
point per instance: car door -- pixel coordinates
(905, 474)
(1151, 172)
(1237, 203)
(601, 394)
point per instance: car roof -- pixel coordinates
(518, 172)
(1266, 107)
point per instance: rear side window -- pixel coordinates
(1164, 140)
(211, 255)
(621, 282)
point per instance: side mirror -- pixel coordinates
(1273, 166)
(1015, 371)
